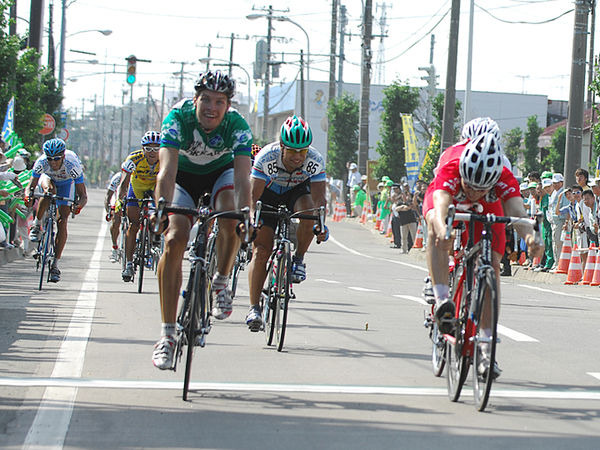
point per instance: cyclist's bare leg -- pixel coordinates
(304, 232)
(115, 225)
(133, 213)
(169, 267)
(257, 269)
(47, 187)
(485, 317)
(228, 242)
(61, 226)
(437, 254)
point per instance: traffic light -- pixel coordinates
(131, 61)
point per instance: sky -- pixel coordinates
(517, 47)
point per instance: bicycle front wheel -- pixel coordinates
(190, 323)
(46, 252)
(284, 281)
(269, 299)
(484, 351)
(456, 359)
(142, 255)
(438, 350)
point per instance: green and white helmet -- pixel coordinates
(295, 133)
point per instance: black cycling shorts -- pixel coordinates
(288, 199)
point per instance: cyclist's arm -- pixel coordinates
(317, 192)
(81, 193)
(168, 158)
(124, 185)
(107, 197)
(514, 207)
(242, 165)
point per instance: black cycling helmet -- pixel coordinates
(215, 81)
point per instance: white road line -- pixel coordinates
(535, 288)
(354, 252)
(515, 335)
(412, 298)
(322, 280)
(49, 428)
(362, 289)
(78, 383)
(595, 374)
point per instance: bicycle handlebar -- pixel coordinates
(284, 212)
(53, 196)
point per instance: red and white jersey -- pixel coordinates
(448, 178)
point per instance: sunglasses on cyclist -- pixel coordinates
(151, 149)
(54, 158)
(297, 150)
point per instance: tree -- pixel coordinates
(33, 87)
(512, 144)
(342, 114)
(555, 160)
(532, 151)
(430, 161)
(397, 100)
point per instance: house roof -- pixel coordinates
(545, 138)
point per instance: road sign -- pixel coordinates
(63, 134)
(49, 124)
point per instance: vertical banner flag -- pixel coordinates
(411, 153)
(597, 175)
(8, 126)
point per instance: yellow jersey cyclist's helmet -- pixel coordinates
(481, 162)
(151, 137)
(295, 133)
(215, 81)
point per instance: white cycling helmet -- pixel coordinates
(479, 126)
(481, 162)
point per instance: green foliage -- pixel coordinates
(438, 115)
(397, 100)
(595, 87)
(33, 87)
(532, 151)
(342, 114)
(512, 144)
(555, 160)
(430, 161)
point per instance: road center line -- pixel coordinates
(74, 383)
(51, 423)
(362, 289)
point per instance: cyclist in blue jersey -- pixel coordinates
(287, 172)
(56, 171)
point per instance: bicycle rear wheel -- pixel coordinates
(141, 253)
(46, 251)
(284, 281)
(123, 241)
(456, 361)
(237, 267)
(438, 350)
(484, 351)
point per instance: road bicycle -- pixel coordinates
(475, 293)
(146, 254)
(194, 316)
(45, 250)
(276, 294)
(242, 259)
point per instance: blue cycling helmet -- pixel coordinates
(151, 137)
(54, 147)
(295, 133)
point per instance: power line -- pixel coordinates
(523, 21)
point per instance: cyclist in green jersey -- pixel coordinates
(205, 147)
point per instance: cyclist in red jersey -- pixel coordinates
(472, 172)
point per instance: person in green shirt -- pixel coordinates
(546, 225)
(205, 147)
(360, 196)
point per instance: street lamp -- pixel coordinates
(287, 19)
(61, 65)
(207, 60)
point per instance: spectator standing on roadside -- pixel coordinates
(546, 226)
(354, 177)
(582, 178)
(360, 196)
(557, 220)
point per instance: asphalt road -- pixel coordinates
(355, 372)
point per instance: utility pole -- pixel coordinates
(576, 92)
(380, 75)
(50, 37)
(343, 23)
(467, 108)
(365, 87)
(590, 103)
(12, 28)
(332, 48)
(302, 84)
(232, 38)
(36, 20)
(431, 79)
(450, 94)
(267, 74)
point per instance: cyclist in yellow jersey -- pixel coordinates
(139, 171)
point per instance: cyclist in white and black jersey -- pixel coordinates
(115, 219)
(288, 172)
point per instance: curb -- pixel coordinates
(518, 272)
(8, 255)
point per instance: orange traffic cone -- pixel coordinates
(337, 212)
(575, 273)
(590, 264)
(565, 255)
(522, 258)
(419, 238)
(366, 211)
(596, 276)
